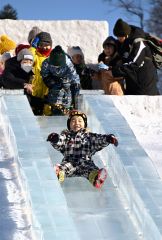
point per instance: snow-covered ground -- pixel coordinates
(144, 115)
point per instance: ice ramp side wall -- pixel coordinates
(50, 218)
(129, 167)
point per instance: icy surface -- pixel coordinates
(98, 214)
(14, 222)
(48, 208)
(130, 167)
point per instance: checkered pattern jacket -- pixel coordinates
(80, 146)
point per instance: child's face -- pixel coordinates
(45, 46)
(77, 59)
(76, 123)
(121, 39)
(109, 50)
(27, 61)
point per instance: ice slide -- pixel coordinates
(75, 210)
(97, 214)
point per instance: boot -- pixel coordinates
(60, 173)
(97, 177)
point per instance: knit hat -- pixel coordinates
(6, 44)
(6, 56)
(76, 113)
(57, 57)
(25, 54)
(121, 28)
(32, 34)
(44, 37)
(75, 50)
(109, 41)
(21, 46)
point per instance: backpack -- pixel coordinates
(155, 45)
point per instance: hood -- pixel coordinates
(136, 32)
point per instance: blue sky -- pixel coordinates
(67, 10)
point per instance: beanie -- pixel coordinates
(32, 34)
(76, 113)
(25, 54)
(6, 56)
(75, 50)
(57, 57)
(121, 28)
(21, 46)
(44, 37)
(6, 44)
(109, 41)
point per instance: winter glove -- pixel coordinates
(103, 66)
(112, 139)
(53, 137)
(35, 42)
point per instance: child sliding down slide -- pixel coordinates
(78, 145)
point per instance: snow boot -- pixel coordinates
(60, 173)
(97, 177)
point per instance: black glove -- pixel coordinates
(53, 137)
(112, 139)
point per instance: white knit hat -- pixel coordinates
(71, 51)
(25, 54)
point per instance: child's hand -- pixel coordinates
(53, 137)
(112, 139)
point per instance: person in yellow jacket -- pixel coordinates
(40, 48)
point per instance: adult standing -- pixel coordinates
(138, 68)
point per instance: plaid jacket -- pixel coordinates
(80, 146)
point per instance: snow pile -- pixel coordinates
(144, 115)
(89, 35)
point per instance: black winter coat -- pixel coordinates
(14, 76)
(85, 76)
(138, 69)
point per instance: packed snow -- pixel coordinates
(89, 35)
(144, 116)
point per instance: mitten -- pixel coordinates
(53, 137)
(35, 42)
(112, 139)
(103, 66)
